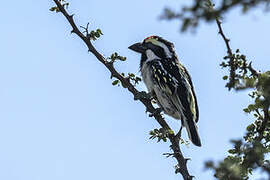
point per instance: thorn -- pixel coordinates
(178, 135)
(72, 31)
(186, 160)
(113, 76)
(177, 168)
(168, 155)
(71, 16)
(147, 110)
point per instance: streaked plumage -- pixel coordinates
(169, 82)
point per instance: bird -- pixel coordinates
(169, 82)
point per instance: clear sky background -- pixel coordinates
(60, 117)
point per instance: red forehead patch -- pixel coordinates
(150, 37)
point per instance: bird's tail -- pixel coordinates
(192, 131)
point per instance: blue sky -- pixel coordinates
(60, 117)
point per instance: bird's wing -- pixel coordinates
(173, 78)
(189, 94)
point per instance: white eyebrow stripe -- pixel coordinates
(166, 49)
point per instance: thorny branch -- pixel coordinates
(227, 43)
(232, 60)
(182, 162)
(229, 50)
(232, 71)
(265, 117)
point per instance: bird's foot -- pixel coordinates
(178, 135)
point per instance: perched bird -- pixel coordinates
(169, 82)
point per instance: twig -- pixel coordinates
(229, 50)
(230, 54)
(266, 116)
(182, 162)
(232, 75)
(85, 29)
(226, 40)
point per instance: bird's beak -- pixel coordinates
(138, 47)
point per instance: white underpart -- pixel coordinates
(147, 71)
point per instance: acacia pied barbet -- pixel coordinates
(169, 82)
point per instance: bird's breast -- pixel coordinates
(147, 76)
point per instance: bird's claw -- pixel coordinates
(178, 135)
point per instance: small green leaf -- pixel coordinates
(131, 75)
(122, 58)
(251, 107)
(251, 127)
(170, 132)
(97, 34)
(115, 82)
(225, 77)
(99, 31)
(232, 151)
(55, 8)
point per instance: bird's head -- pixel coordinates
(154, 46)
